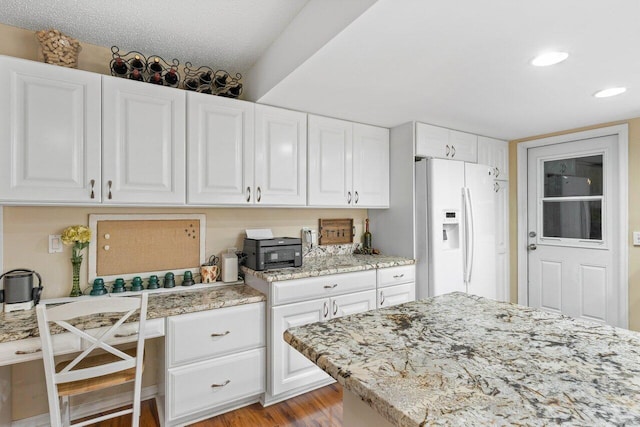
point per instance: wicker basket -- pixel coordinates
(58, 48)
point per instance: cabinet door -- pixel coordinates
(495, 153)
(432, 141)
(143, 143)
(280, 157)
(359, 302)
(330, 162)
(370, 166)
(219, 150)
(464, 146)
(502, 238)
(290, 368)
(49, 133)
(398, 294)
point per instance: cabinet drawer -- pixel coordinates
(196, 336)
(398, 294)
(31, 348)
(129, 332)
(396, 275)
(206, 385)
(289, 291)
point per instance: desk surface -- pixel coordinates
(20, 325)
(458, 359)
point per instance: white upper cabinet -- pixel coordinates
(348, 164)
(330, 161)
(143, 143)
(219, 150)
(49, 133)
(495, 153)
(434, 141)
(280, 157)
(370, 166)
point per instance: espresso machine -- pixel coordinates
(19, 292)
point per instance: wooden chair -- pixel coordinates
(91, 372)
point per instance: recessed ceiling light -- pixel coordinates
(549, 58)
(613, 91)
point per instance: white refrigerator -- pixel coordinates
(455, 226)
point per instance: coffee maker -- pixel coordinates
(19, 293)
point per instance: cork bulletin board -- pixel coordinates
(140, 245)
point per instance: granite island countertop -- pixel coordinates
(330, 264)
(19, 325)
(459, 359)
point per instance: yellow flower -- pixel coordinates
(76, 234)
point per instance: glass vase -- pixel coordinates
(75, 290)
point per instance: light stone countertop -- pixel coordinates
(330, 264)
(19, 325)
(464, 360)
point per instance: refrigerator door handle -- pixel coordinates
(469, 235)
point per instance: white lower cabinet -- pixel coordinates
(396, 285)
(215, 362)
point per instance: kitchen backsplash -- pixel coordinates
(318, 251)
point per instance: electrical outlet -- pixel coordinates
(309, 236)
(636, 238)
(55, 243)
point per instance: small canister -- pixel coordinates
(209, 272)
(229, 267)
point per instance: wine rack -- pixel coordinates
(152, 69)
(205, 80)
(155, 69)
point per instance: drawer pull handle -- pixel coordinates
(381, 298)
(36, 350)
(110, 184)
(220, 385)
(398, 276)
(335, 285)
(326, 310)
(130, 334)
(93, 183)
(335, 308)
(220, 335)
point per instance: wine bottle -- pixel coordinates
(235, 91)
(136, 75)
(205, 79)
(156, 79)
(171, 78)
(221, 80)
(119, 67)
(155, 66)
(136, 63)
(367, 236)
(191, 84)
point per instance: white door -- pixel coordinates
(143, 143)
(219, 150)
(370, 166)
(290, 368)
(396, 294)
(358, 302)
(480, 231)
(50, 137)
(330, 162)
(280, 157)
(572, 244)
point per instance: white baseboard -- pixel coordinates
(88, 408)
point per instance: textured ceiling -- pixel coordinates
(464, 64)
(229, 34)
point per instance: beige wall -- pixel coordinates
(634, 213)
(26, 231)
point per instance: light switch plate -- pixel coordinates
(55, 243)
(636, 238)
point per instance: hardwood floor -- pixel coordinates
(319, 408)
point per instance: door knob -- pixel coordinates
(532, 234)
(532, 247)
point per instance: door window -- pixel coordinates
(572, 202)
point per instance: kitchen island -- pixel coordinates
(459, 359)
